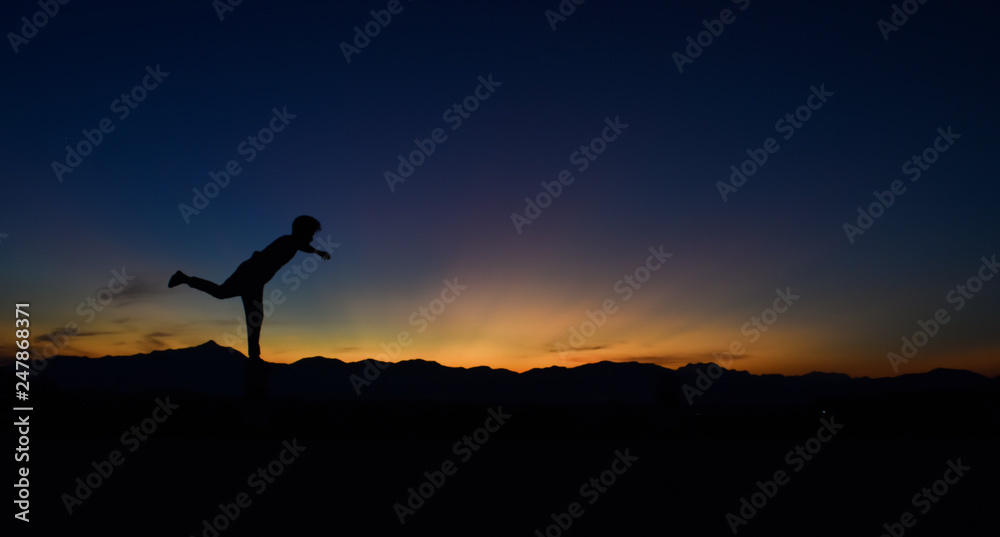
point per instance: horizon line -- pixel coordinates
(5, 361)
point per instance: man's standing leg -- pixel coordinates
(256, 379)
(253, 307)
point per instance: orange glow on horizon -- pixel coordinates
(515, 327)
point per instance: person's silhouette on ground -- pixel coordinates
(247, 282)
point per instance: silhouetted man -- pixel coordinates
(247, 282)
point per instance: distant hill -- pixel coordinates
(417, 398)
(217, 371)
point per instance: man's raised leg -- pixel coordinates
(212, 288)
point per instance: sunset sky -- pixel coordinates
(211, 83)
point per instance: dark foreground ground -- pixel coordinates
(359, 460)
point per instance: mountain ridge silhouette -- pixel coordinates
(215, 370)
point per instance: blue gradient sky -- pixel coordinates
(654, 185)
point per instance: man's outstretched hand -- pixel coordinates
(324, 255)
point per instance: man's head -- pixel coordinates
(305, 226)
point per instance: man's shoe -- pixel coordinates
(177, 279)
